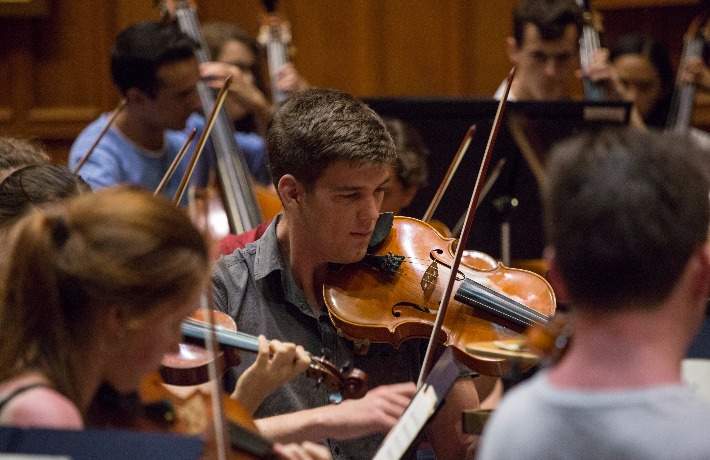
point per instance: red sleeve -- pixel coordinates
(231, 242)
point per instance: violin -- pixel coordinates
(589, 42)
(349, 385)
(683, 99)
(394, 294)
(193, 415)
(550, 341)
(156, 407)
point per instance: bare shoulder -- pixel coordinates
(42, 407)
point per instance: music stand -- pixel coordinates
(104, 444)
(442, 123)
(428, 400)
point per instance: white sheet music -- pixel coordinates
(401, 436)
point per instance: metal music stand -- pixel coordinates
(104, 444)
(512, 207)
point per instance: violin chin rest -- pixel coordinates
(382, 228)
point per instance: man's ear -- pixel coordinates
(290, 191)
(554, 277)
(702, 278)
(511, 48)
(409, 194)
(136, 97)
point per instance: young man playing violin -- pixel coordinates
(626, 214)
(330, 157)
(154, 67)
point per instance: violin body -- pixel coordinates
(192, 414)
(370, 305)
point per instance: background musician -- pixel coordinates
(626, 215)
(154, 67)
(330, 157)
(544, 49)
(642, 73)
(250, 107)
(410, 172)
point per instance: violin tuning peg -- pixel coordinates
(345, 367)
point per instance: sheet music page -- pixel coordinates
(422, 407)
(401, 436)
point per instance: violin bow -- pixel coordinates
(207, 300)
(443, 305)
(463, 148)
(203, 139)
(492, 178)
(116, 111)
(176, 161)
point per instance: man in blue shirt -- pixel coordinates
(154, 67)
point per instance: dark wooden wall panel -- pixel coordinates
(54, 69)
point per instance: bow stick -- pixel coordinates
(203, 139)
(176, 161)
(429, 356)
(463, 148)
(86, 156)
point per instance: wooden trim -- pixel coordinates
(63, 114)
(6, 114)
(23, 7)
(618, 4)
(701, 111)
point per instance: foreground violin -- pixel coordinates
(156, 407)
(349, 385)
(394, 294)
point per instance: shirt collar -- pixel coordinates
(268, 258)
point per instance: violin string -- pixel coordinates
(512, 309)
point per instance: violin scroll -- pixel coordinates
(350, 384)
(550, 341)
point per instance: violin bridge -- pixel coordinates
(430, 276)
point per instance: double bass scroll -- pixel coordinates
(275, 37)
(683, 99)
(589, 43)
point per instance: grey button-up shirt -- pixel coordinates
(255, 286)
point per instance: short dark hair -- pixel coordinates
(35, 185)
(142, 48)
(412, 153)
(16, 153)
(624, 210)
(551, 17)
(318, 127)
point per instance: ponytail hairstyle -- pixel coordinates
(118, 247)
